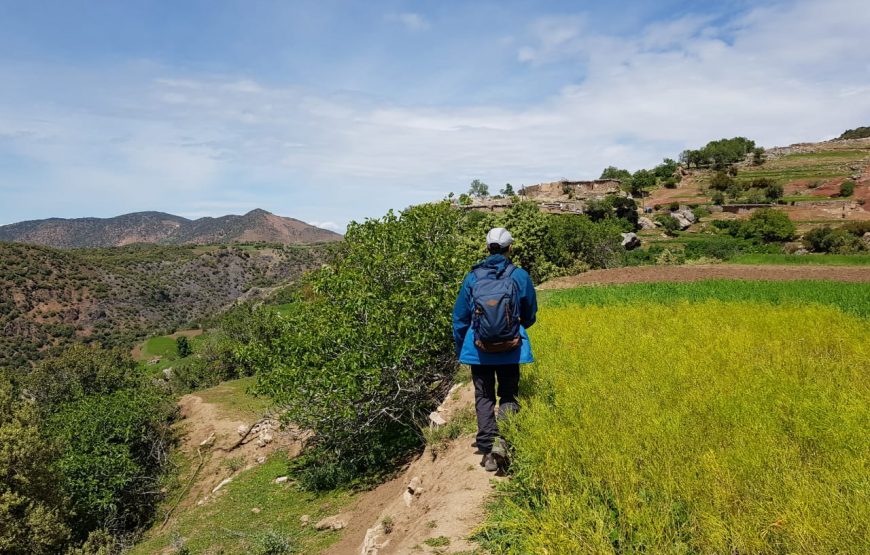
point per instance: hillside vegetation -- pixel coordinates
(661, 419)
(50, 298)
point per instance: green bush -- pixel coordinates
(847, 188)
(768, 225)
(32, 508)
(668, 223)
(837, 241)
(369, 355)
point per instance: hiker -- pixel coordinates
(495, 306)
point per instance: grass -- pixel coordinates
(653, 424)
(227, 524)
(234, 401)
(852, 298)
(160, 346)
(808, 259)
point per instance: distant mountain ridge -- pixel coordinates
(158, 227)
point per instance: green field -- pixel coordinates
(227, 524)
(809, 259)
(160, 346)
(853, 298)
(715, 417)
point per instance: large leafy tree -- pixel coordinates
(32, 515)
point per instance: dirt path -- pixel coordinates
(647, 274)
(210, 441)
(439, 497)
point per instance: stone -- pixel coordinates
(801, 252)
(304, 520)
(222, 484)
(408, 497)
(281, 479)
(242, 429)
(645, 223)
(266, 437)
(682, 219)
(336, 522)
(436, 420)
(167, 373)
(207, 441)
(414, 484)
(256, 510)
(866, 239)
(261, 460)
(630, 241)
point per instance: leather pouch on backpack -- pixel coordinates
(500, 346)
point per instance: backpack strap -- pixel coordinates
(508, 270)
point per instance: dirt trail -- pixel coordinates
(209, 440)
(440, 495)
(646, 274)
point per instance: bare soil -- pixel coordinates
(448, 500)
(647, 274)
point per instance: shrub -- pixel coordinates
(721, 182)
(836, 241)
(768, 225)
(182, 347)
(370, 354)
(32, 515)
(668, 223)
(847, 188)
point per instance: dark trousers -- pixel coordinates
(484, 378)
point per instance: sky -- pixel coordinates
(333, 111)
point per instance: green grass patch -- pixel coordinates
(227, 524)
(804, 260)
(691, 427)
(160, 346)
(853, 298)
(234, 401)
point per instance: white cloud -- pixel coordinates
(216, 144)
(411, 21)
(329, 225)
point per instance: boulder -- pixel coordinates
(682, 219)
(167, 373)
(630, 241)
(645, 223)
(436, 420)
(281, 479)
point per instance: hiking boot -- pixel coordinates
(489, 463)
(499, 448)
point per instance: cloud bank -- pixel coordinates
(80, 141)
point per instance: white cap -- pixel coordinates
(499, 236)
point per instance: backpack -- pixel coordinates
(495, 318)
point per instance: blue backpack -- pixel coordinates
(496, 315)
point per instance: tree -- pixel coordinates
(182, 347)
(773, 192)
(666, 169)
(758, 156)
(370, 352)
(612, 172)
(478, 189)
(641, 181)
(768, 225)
(32, 516)
(508, 190)
(721, 181)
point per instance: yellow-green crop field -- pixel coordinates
(705, 426)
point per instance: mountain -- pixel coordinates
(158, 227)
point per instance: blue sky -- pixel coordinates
(331, 111)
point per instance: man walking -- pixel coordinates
(495, 306)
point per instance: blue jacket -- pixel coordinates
(462, 310)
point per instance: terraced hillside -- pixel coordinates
(51, 297)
